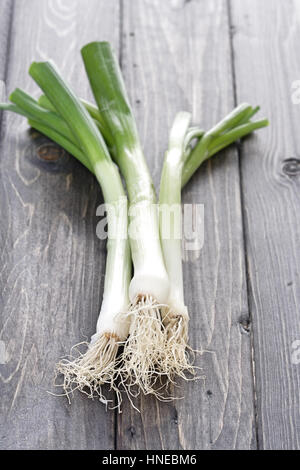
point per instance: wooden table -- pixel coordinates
(242, 290)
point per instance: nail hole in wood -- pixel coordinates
(175, 417)
(245, 323)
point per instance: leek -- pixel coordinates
(98, 364)
(180, 163)
(149, 288)
(150, 306)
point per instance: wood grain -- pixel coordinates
(52, 264)
(267, 35)
(6, 8)
(176, 55)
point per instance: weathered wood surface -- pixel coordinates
(5, 24)
(269, 32)
(175, 55)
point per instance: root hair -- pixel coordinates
(179, 356)
(144, 349)
(89, 371)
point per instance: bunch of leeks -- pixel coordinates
(145, 314)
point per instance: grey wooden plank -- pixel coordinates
(176, 55)
(6, 7)
(266, 39)
(52, 264)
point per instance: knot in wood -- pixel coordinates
(291, 166)
(50, 152)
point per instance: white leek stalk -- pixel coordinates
(175, 315)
